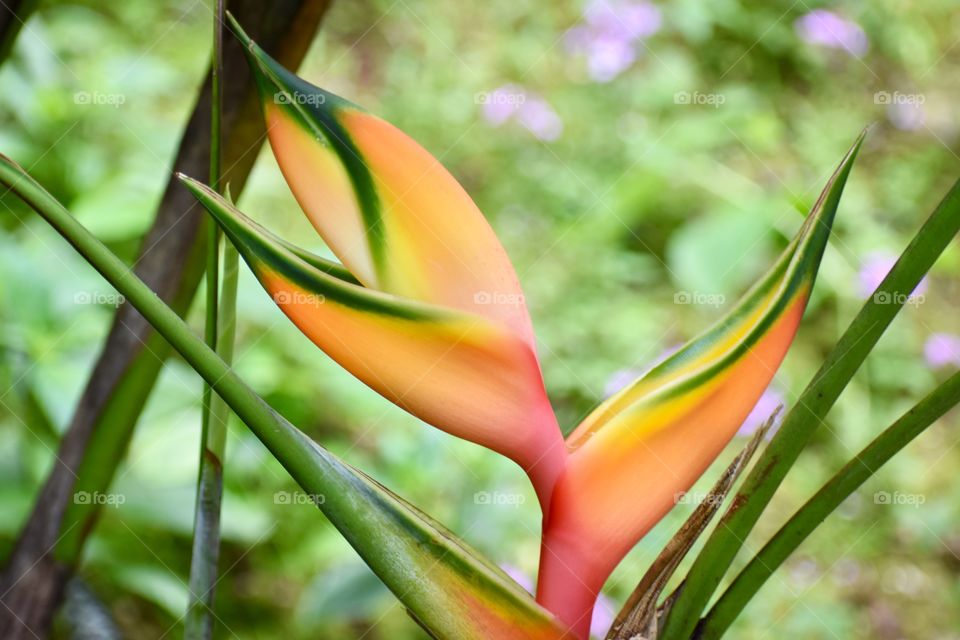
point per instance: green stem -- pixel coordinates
(205, 552)
(822, 504)
(800, 423)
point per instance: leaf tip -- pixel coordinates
(238, 31)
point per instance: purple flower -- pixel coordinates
(609, 34)
(941, 350)
(513, 102)
(827, 29)
(906, 116)
(604, 612)
(501, 103)
(766, 405)
(519, 576)
(875, 268)
(540, 119)
(619, 380)
(632, 20)
(608, 57)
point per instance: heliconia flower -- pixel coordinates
(642, 447)
(427, 309)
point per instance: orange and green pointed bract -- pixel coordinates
(638, 450)
(464, 373)
(431, 314)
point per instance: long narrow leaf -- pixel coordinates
(205, 552)
(449, 588)
(824, 502)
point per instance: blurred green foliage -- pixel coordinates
(641, 197)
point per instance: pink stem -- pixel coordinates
(564, 584)
(545, 468)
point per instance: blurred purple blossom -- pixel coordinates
(907, 116)
(501, 103)
(519, 576)
(609, 34)
(512, 101)
(604, 612)
(766, 405)
(875, 268)
(827, 29)
(540, 119)
(620, 379)
(941, 350)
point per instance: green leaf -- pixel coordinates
(824, 502)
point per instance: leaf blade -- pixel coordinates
(462, 373)
(830, 496)
(392, 213)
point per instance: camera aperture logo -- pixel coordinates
(299, 298)
(499, 498)
(498, 298)
(896, 297)
(99, 498)
(298, 497)
(899, 498)
(99, 99)
(299, 97)
(99, 298)
(896, 97)
(715, 300)
(501, 97)
(697, 498)
(698, 98)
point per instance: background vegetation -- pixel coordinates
(640, 176)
